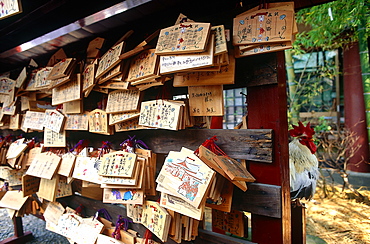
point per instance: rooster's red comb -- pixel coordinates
(301, 129)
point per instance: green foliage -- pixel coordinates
(322, 126)
(328, 34)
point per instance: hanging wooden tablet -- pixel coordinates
(67, 165)
(13, 200)
(9, 110)
(243, 51)
(234, 169)
(21, 78)
(121, 117)
(181, 206)
(118, 69)
(183, 38)
(123, 101)
(232, 222)
(263, 26)
(54, 120)
(185, 176)
(54, 139)
(57, 57)
(14, 122)
(123, 196)
(94, 47)
(68, 225)
(135, 212)
(118, 163)
(220, 39)
(131, 124)
(32, 82)
(88, 77)
(88, 231)
(62, 69)
(32, 153)
(118, 85)
(98, 121)
(86, 168)
(109, 60)
(13, 176)
(77, 122)
(7, 85)
(41, 78)
(225, 76)
(48, 188)
(44, 165)
(60, 81)
(156, 219)
(160, 114)
(185, 62)
(68, 92)
(224, 201)
(143, 65)
(74, 107)
(16, 148)
(30, 185)
(206, 100)
(136, 181)
(53, 212)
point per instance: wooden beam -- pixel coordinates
(261, 199)
(268, 105)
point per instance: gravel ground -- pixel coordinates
(30, 223)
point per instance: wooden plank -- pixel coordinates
(261, 199)
(212, 237)
(239, 144)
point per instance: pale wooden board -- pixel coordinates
(48, 188)
(206, 100)
(14, 122)
(115, 71)
(143, 65)
(232, 222)
(109, 60)
(88, 77)
(183, 38)
(263, 26)
(41, 77)
(234, 169)
(98, 121)
(123, 101)
(86, 168)
(191, 186)
(179, 63)
(119, 85)
(121, 117)
(220, 39)
(243, 51)
(225, 76)
(151, 114)
(67, 165)
(54, 139)
(73, 107)
(68, 92)
(60, 81)
(77, 122)
(44, 165)
(156, 219)
(6, 85)
(132, 124)
(13, 200)
(53, 212)
(61, 69)
(119, 163)
(54, 120)
(181, 206)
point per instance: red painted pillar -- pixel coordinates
(354, 107)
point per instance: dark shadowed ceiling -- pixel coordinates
(45, 26)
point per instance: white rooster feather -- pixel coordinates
(303, 163)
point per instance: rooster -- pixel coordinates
(303, 163)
